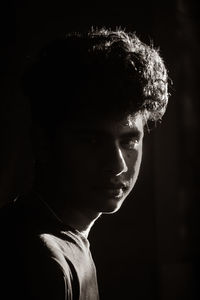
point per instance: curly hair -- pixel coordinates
(106, 71)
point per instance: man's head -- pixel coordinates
(92, 94)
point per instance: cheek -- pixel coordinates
(133, 161)
(77, 163)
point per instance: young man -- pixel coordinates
(91, 97)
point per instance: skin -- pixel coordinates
(91, 167)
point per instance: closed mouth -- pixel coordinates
(114, 189)
(112, 186)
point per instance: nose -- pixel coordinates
(122, 164)
(116, 162)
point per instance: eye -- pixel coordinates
(130, 144)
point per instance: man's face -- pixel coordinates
(96, 162)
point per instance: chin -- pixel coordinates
(111, 206)
(110, 211)
(104, 203)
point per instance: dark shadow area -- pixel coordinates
(150, 249)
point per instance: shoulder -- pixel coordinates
(6, 212)
(7, 223)
(50, 273)
(40, 271)
(34, 259)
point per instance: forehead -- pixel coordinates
(111, 125)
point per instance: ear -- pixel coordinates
(40, 144)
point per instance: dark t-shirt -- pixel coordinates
(40, 258)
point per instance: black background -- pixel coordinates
(150, 248)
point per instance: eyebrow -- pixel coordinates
(99, 132)
(129, 135)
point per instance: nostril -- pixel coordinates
(124, 170)
(116, 169)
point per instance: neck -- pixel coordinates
(81, 219)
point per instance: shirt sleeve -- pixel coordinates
(46, 281)
(48, 275)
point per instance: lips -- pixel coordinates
(113, 190)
